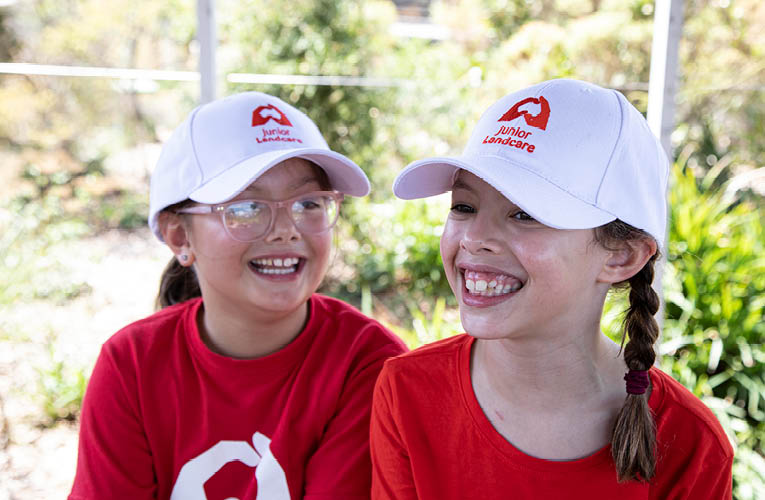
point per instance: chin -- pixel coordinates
(287, 304)
(482, 328)
(280, 302)
(495, 327)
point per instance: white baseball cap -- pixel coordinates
(225, 145)
(569, 153)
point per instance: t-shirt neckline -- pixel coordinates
(506, 448)
(280, 361)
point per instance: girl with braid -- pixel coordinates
(558, 197)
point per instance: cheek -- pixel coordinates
(450, 241)
(210, 240)
(536, 252)
(553, 263)
(321, 246)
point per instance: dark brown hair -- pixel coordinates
(179, 283)
(633, 441)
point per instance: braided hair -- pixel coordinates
(633, 441)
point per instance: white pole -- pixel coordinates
(662, 87)
(206, 36)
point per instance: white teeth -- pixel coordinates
(276, 271)
(288, 262)
(491, 288)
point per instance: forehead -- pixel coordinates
(467, 181)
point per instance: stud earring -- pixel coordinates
(184, 257)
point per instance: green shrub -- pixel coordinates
(439, 324)
(713, 331)
(29, 231)
(61, 386)
(392, 249)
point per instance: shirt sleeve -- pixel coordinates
(694, 455)
(392, 476)
(340, 467)
(712, 481)
(114, 460)
(717, 482)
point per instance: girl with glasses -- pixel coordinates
(247, 383)
(558, 197)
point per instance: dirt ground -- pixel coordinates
(122, 272)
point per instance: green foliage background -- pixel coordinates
(76, 152)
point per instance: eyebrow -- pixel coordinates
(460, 184)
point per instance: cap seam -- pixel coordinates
(552, 181)
(239, 162)
(194, 149)
(544, 87)
(291, 153)
(613, 151)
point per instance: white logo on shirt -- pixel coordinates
(272, 483)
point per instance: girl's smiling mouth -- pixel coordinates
(278, 268)
(490, 284)
(483, 286)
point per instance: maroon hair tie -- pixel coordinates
(637, 381)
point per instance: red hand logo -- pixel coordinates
(262, 114)
(538, 121)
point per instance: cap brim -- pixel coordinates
(344, 175)
(540, 198)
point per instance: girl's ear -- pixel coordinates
(626, 258)
(175, 233)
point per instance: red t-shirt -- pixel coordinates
(431, 440)
(165, 417)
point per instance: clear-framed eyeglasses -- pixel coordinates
(249, 220)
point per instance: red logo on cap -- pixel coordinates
(539, 120)
(262, 114)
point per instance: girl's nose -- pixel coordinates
(282, 229)
(481, 236)
(476, 246)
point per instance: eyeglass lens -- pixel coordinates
(249, 220)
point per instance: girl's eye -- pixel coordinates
(247, 209)
(521, 215)
(461, 208)
(309, 204)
